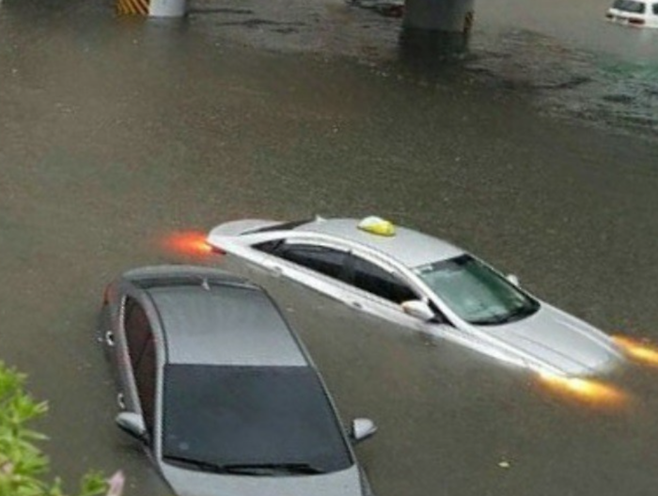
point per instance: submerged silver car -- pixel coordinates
(424, 283)
(220, 391)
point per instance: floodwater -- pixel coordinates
(535, 150)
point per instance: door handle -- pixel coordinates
(109, 339)
(121, 401)
(356, 304)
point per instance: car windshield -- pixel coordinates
(476, 293)
(629, 6)
(218, 417)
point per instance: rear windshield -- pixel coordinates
(241, 415)
(284, 226)
(629, 6)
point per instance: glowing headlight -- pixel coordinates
(637, 350)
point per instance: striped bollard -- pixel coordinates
(152, 8)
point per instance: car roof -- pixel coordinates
(409, 247)
(224, 324)
(162, 275)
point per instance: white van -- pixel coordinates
(638, 13)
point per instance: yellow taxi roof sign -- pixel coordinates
(377, 225)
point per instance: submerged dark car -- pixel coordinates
(220, 391)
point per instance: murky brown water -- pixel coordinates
(114, 133)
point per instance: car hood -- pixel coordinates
(559, 341)
(192, 483)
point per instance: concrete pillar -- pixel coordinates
(435, 30)
(167, 8)
(449, 16)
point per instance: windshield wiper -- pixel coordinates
(245, 468)
(291, 468)
(511, 316)
(519, 313)
(491, 320)
(198, 464)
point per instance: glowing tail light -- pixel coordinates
(189, 243)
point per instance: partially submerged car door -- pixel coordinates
(377, 288)
(316, 264)
(137, 358)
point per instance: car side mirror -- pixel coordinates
(418, 309)
(513, 279)
(132, 424)
(362, 429)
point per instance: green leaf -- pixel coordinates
(22, 463)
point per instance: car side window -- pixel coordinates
(268, 246)
(322, 259)
(372, 278)
(141, 350)
(145, 380)
(137, 328)
(655, 8)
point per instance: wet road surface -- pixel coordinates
(114, 133)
